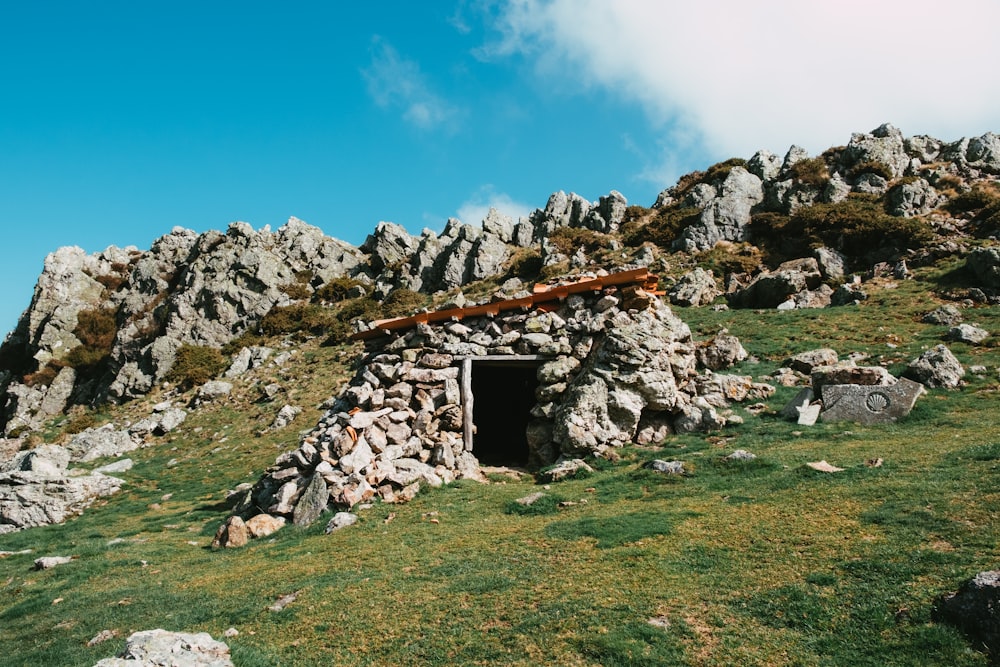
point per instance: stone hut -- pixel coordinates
(566, 371)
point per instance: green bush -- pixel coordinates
(196, 364)
(526, 264)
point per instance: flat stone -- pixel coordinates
(791, 409)
(869, 404)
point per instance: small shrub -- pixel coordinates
(297, 318)
(403, 302)
(335, 290)
(42, 377)
(547, 504)
(80, 422)
(948, 182)
(526, 264)
(297, 291)
(111, 281)
(726, 258)
(95, 329)
(665, 227)
(872, 167)
(857, 226)
(635, 212)
(196, 364)
(568, 239)
(718, 172)
(983, 200)
(811, 171)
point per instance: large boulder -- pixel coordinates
(975, 610)
(726, 215)
(695, 288)
(985, 265)
(937, 367)
(883, 145)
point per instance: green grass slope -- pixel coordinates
(759, 563)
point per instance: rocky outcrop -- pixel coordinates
(37, 488)
(725, 210)
(937, 367)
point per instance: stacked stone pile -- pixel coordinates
(612, 365)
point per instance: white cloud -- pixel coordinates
(735, 76)
(475, 208)
(395, 82)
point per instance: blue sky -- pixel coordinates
(120, 120)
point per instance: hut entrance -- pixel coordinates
(498, 394)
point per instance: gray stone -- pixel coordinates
(805, 362)
(213, 390)
(722, 351)
(49, 562)
(910, 199)
(566, 469)
(832, 264)
(667, 467)
(695, 288)
(340, 520)
(121, 465)
(741, 455)
(846, 372)
(937, 367)
(966, 333)
(724, 217)
(94, 443)
(946, 315)
(312, 502)
(975, 610)
(176, 649)
(793, 408)
(985, 265)
(867, 404)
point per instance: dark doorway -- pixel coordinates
(504, 395)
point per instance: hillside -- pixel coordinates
(216, 355)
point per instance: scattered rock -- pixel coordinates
(49, 562)
(823, 466)
(213, 390)
(667, 467)
(937, 367)
(262, 525)
(805, 362)
(341, 520)
(530, 499)
(966, 333)
(177, 649)
(232, 534)
(284, 601)
(947, 315)
(975, 610)
(741, 455)
(695, 288)
(567, 469)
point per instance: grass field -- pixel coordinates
(759, 563)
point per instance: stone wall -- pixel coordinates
(610, 364)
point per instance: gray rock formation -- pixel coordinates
(967, 333)
(769, 289)
(695, 288)
(937, 367)
(883, 145)
(985, 265)
(177, 649)
(725, 211)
